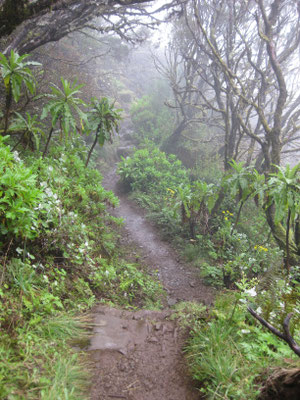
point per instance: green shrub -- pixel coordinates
(75, 223)
(154, 178)
(151, 120)
(19, 197)
(229, 353)
(151, 170)
(228, 255)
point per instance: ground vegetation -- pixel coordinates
(58, 240)
(227, 107)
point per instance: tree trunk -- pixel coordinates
(280, 235)
(48, 141)
(91, 150)
(287, 247)
(8, 101)
(171, 143)
(219, 202)
(19, 141)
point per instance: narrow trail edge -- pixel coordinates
(137, 355)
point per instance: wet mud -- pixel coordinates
(138, 355)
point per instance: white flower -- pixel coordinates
(251, 292)
(259, 310)
(48, 191)
(245, 331)
(16, 156)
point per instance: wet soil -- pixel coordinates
(180, 280)
(138, 355)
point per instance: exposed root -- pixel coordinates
(283, 384)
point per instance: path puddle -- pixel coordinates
(114, 331)
(137, 356)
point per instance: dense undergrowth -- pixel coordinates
(59, 251)
(59, 256)
(229, 352)
(151, 175)
(58, 242)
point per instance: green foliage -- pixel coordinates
(151, 119)
(29, 127)
(187, 313)
(284, 191)
(64, 105)
(236, 247)
(127, 284)
(150, 170)
(154, 178)
(279, 195)
(197, 195)
(212, 274)
(229, 353)
(32, 367)
(19, 196)
(275, 297)
(57, 242)
(58, 247)
(60, 270)
(32, 318)
(65, 263)
(242, 181)
(15, 71)
(196, 201)
(103, 119)
(74, 211)
(231, 254)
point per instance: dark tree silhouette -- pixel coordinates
(29, 24)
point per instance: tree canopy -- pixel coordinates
(234, 64)
(29, 24)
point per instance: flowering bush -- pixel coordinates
(19, 196)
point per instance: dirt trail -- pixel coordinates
(181, 281)
(138, 355)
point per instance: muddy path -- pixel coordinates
(139, 355)
(181, 281)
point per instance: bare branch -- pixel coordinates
(286, 336)
(44, 21)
